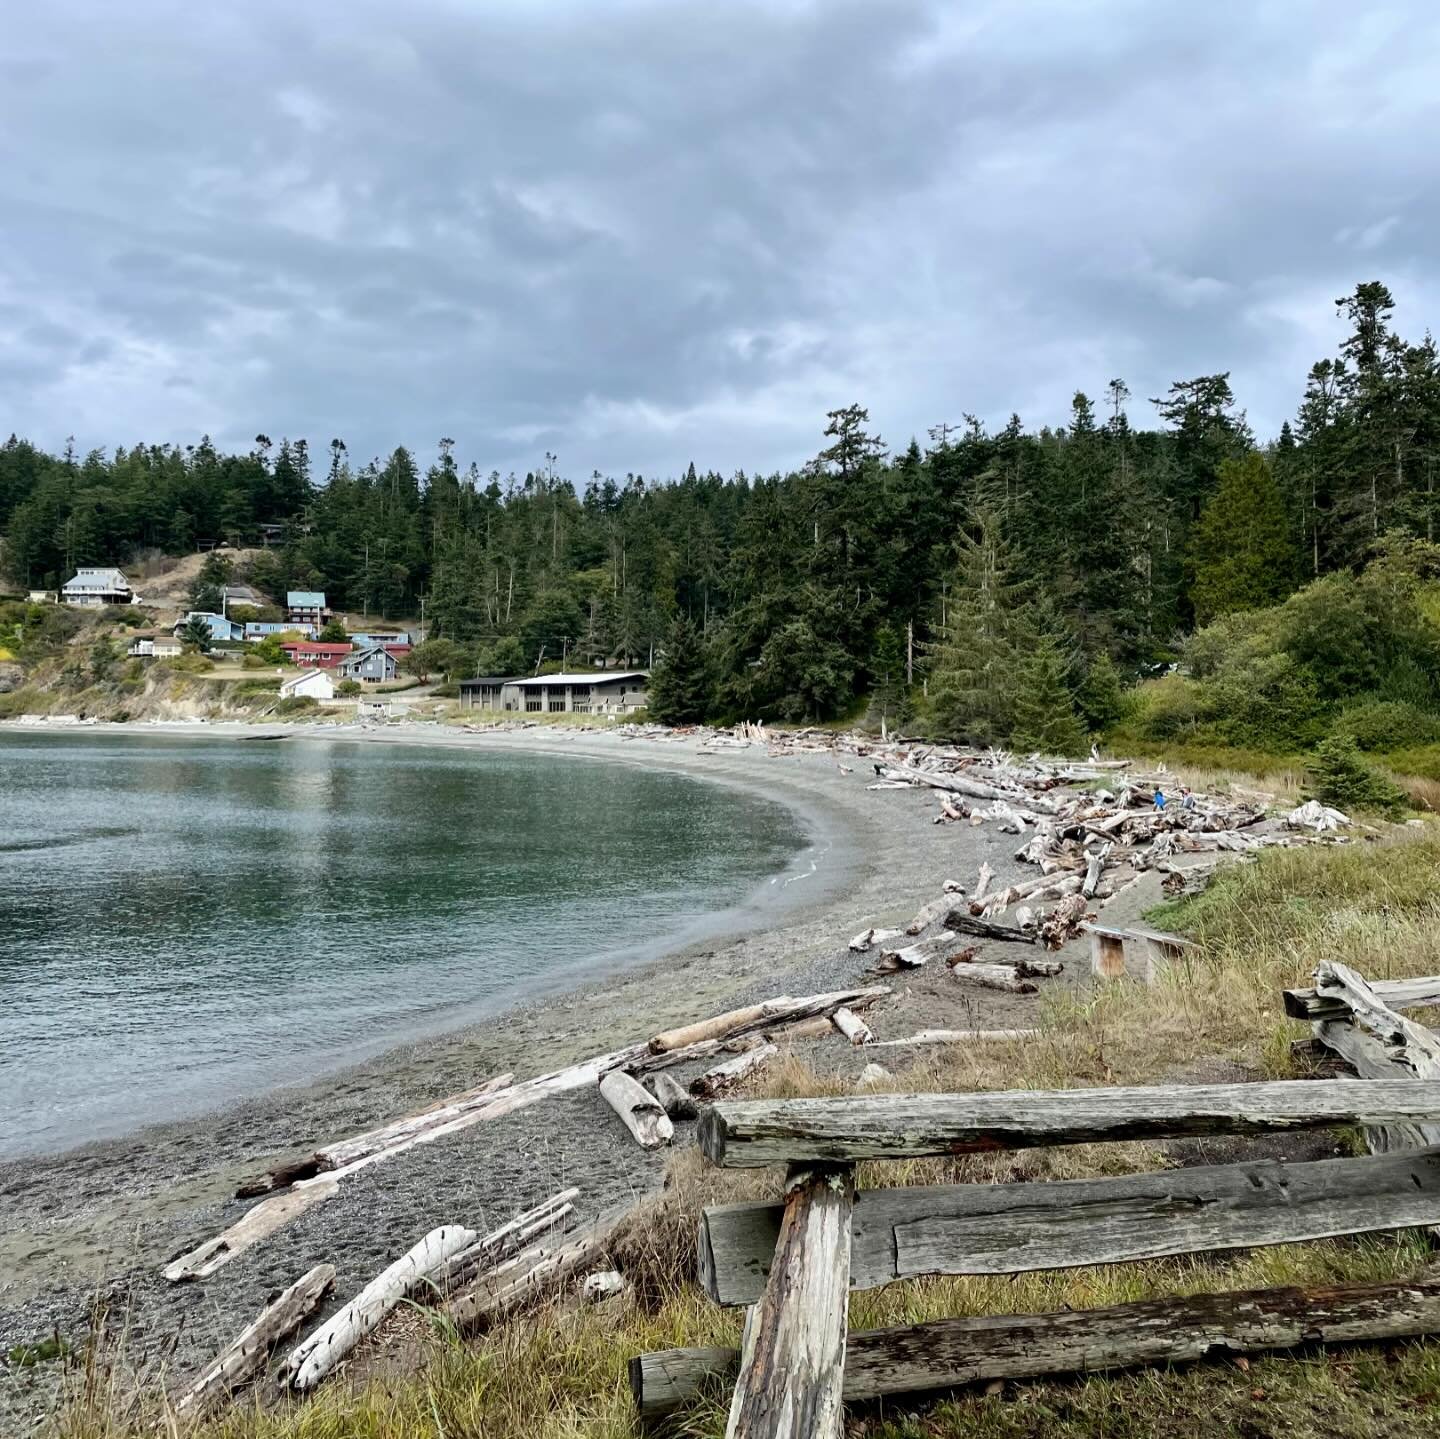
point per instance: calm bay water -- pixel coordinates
(183, 922)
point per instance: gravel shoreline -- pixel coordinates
(103, 1218)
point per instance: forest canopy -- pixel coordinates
(967, 575)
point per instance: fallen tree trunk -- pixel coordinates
(958, 784)
(870, 937)
(953, 1352)
(246, 1357)
(960, 922)
(1094, 866)
(726, 1076)
(1393, 993)
(982, 883)
(940, 946)
(671, 1096)
(1063, 922)
(992, 976)
(312, 1359)
(753, 1133)
(640, 1112)
(508, 1239)
(792, 1361)
(929, 914)
(852, 1027)
(757, 1016)
(252, 1226)
(955, 1036)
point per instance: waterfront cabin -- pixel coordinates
(93, 587)
(613, 692)
(487, 692)
(166, 647)
(388, 638)
(317, 654)
(44, 597)
(141, 646)
(306, 607)
(315, 684)
(222, 630)
(257, 630)
(374, 664)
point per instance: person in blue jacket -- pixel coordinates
(1159, 798)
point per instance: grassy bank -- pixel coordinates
(1261, 927)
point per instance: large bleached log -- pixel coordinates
(255, 1224)
(672, 1096)
(960, 922)
(726, 1076)
(792, 1361)
(940, 946)
(982, 883)
(1093, 869)
(753, 1133)
(1310, 1004)
(312, 1359)
(852, 1027)
(868, 938)
(640, 1112)
(501, 1243)
(346, 1151)
(759, 1016)
(952, 1352)
(958, 784)
(992, 976)
(955, 1036)
(246, 1357)
(1063, 922)
(904, 1233)
(929, 914)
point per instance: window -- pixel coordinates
(580, 692)
(557, 704)
(532, 703)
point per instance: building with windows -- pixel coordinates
(374, 664)
(309, 684)
(316, 654)
(306, 607)
(257, 630)
(486, 692)
(222, 630)
(91, 587)
(609, 692)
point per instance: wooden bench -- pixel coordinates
(1134, 953)
(794, 1262)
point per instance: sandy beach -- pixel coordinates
(104, 1218)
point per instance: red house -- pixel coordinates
(316, 655)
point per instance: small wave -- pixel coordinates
(60, 841)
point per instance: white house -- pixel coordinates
(612, 692)
(313, 684)
(92, 587)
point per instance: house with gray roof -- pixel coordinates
(92, 586)
(306, 607)
(599, 692)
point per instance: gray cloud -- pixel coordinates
(651, 230)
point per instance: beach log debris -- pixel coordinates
(726, 1076)
(868, 938)
(954, 1036)
(852, 1026)
(942, 946)
(770, 1013)
(639, 1110)
(255, 1224)
(793, 1351)
(959, 921)
(993, 976)
(246, 1357)
(508, 1239)
(948, 1353)
(672, 1095)
(1064, 921)
(315, 1357)
(982, 882)
(1093, 868)
(959, 784)
(929, 914)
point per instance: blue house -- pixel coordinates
(382, 637)
(222, 629)
(306, 607)
(257, 630)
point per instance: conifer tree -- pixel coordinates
(1044, 708)
(680, 691)
(1243, 554)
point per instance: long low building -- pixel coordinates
(597, 692)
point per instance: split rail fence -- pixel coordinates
(794, 1263)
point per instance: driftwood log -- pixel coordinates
(671, 1095)
(753, 1133)
(315, 1357)
(640, 1112)
(958, 784)
(993, 976)
(246, 1357)
(255, 1224)
(732, 1071)
(760, 1016)
(903, 1233)
(793, 1352)
(953, 1352)
(960, 921)
(955, 1036)
(1311, 1004)
(852, 1026)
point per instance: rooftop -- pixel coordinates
(306, 599)
(588, 677)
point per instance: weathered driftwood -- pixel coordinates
(758, 1016)
(992, 976)
(726, 1076)
(873, 1076)
(671, 1095)
(942, 946)
(639, 1110)
(868, 938)
(816, 1027)
(254, 1225)
(528, 1276)
(982, 883)
(313, 1358)
(852, 1026)
(792, 1360)
(902, 1233)
(246, 1357)
(954, 1036)
(345, 1152)
(1311, 1004)
(511, 1237)
(1093, 867)
(958, 784)
(929, 914)
(958, 921)
(757, 1132)
(1064, 921)
(953, 1352)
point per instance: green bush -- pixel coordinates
(296, 705)
(1385, 724)
(348, 689)
(1340, 777)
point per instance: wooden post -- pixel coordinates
(792, 1362)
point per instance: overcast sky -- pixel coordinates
(640, 232)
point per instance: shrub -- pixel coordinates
(295, 704)
(1340, 777)
(349, 688)
(1385, 724)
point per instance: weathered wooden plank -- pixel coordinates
(1423, 993)
(1015, 1228)
(753, 1133)
(792, 1361)
(953, 1352)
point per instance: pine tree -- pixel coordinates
(888, 700)
(680, 690)
(1243, 555)
(1102, 694)
(1044, 708)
